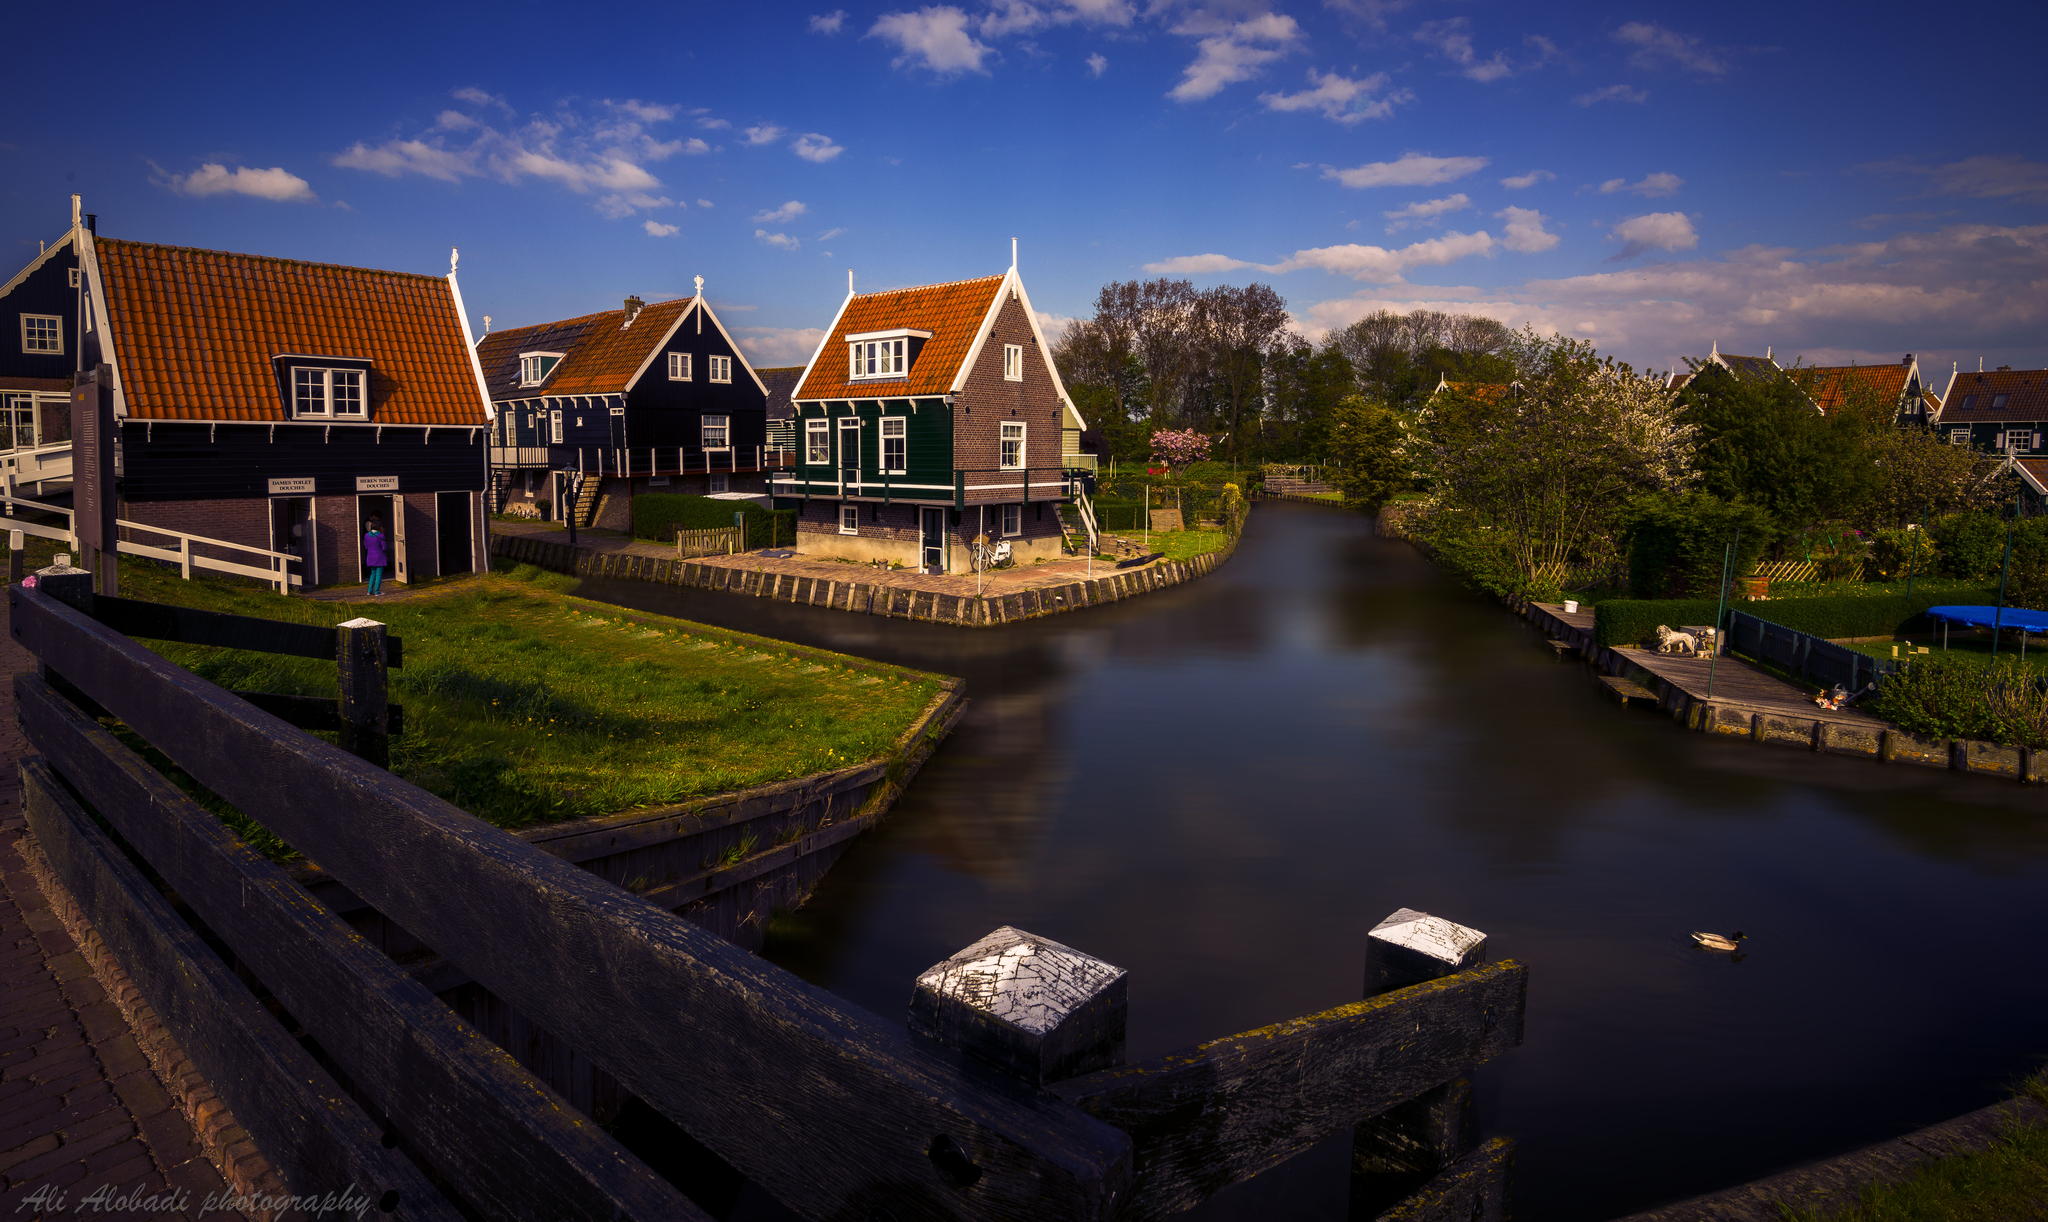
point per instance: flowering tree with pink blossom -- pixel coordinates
(1179, 447)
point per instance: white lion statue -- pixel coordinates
(1676, 642)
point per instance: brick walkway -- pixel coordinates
(993, 582)
(80, 1108)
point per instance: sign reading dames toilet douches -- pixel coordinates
(290, 487)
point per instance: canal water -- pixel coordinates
(1222, 787)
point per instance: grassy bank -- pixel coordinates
(1184, 544)
(525, 705)
(2007, 1180)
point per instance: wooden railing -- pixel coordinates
(189, 551)
(34, 464)
(1008, 1096)
(713, 541)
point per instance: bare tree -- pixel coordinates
(1241, 328)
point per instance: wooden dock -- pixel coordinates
(1738, 684)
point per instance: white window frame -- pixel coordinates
(315, 398)
(1012, 520)
(1003, 439)
(817, 442)
(71, 277)
(849, 431)
(2017, 440)
(896, 429)
(1959, 437)
(1013, 362)
(878, 358)
(679, 367)
(721, 369)
(55, 337)
(849, 519)
(537, 367)
(718, 481)
(706, 430)
(555, 427)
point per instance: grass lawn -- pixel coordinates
(1182, 544)
(525, 705)
(2009, 1180)
(1963, 643)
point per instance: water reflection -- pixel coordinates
(1223, 786)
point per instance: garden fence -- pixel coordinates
(1813, 658)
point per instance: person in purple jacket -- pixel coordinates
(376, 554)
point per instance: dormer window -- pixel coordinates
(328, 394)
(534, 367)
(881, 354)
(1998, 402)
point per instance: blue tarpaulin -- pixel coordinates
(1984, 617)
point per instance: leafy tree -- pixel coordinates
(1549, 465)
(1399, 358)
(1369, 443)
(1240, 327)
(1677, 543)
(1761, 440)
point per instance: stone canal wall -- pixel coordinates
(1819, 733)
(868, 598)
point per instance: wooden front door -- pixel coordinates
(933, 526)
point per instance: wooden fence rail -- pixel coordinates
(980, 1109)
(710, 541)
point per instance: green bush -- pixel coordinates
(659, 515)
(1677, 543)
(2027, 583)
(1895, 553)
(1629, 621)
(1477, 556)
(1971, 544)
(1955, 697)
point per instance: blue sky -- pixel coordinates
(1842, 182)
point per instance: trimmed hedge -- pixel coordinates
(1955, 697)
(658, 515)
(1630, 621)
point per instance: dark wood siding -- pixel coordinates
(177, 461)
(665, 414)
(928, 431)
(47, 291)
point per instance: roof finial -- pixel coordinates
(700, 286)
(1013, 252)
(77, 210)
(1717, 349)
(487, 324)
(1767, 352)
(454, 257)
(1980, 362)
(849, 282)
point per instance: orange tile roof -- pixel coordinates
(2036, 470)
(1829, 386)
(599, 354)
(951, 312)
(195, 330)
(1970, 396)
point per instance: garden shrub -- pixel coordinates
(1947, 696)
(2027, 583)
(1677, 543)
(658, 515)
(1971, 544)
(1897, 552)
(1628, 621)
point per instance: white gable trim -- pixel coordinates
(707, 312)
(823, 340)
(469, 343)
(89, 263)
(2013, 461)
(1012, 281)
(981, 334)
(1045, 353)
(661, 343)
(49, 252)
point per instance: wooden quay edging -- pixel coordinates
(1006, 1097)
(1751, 704)
(861, 597)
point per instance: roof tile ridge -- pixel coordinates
(241, 254)
(943, 284)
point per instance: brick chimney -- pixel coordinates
(1908, 360)
(633, 307)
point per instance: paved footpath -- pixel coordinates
(80, 1108)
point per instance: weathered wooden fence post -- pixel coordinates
(15, 557)
(359, 653)
(68, 585)
(1435, 1129)
(1024, 1006)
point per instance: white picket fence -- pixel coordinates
(278, 569)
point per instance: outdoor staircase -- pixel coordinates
(1081, 531)
(586, 499)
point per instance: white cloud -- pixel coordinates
(771, 346)
(1451, 38)
(714, 125)
(814, 147)
(1426, 210)
(1012, 17)
(1654, 46)
(1234, 52)
(602, 149)
(787, 212)
(453, 121)
(829, 23)
(1525, 233)
(1360, 262)
(934, 38)
(1409, 170)
(655, 229)
(780, 241)
(1341, 98)
(1097, 64)
(762, 133)
(276, 184)
(1946, 295)
(1521, 182)
(1613, 93)
(1649, 186)
(705, 203)
(479, 97)
(829, 234)
(1655, 231)
(1982, 177)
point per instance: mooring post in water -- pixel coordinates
(1025, 1005)
(359, 652)
(1392, 1151)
